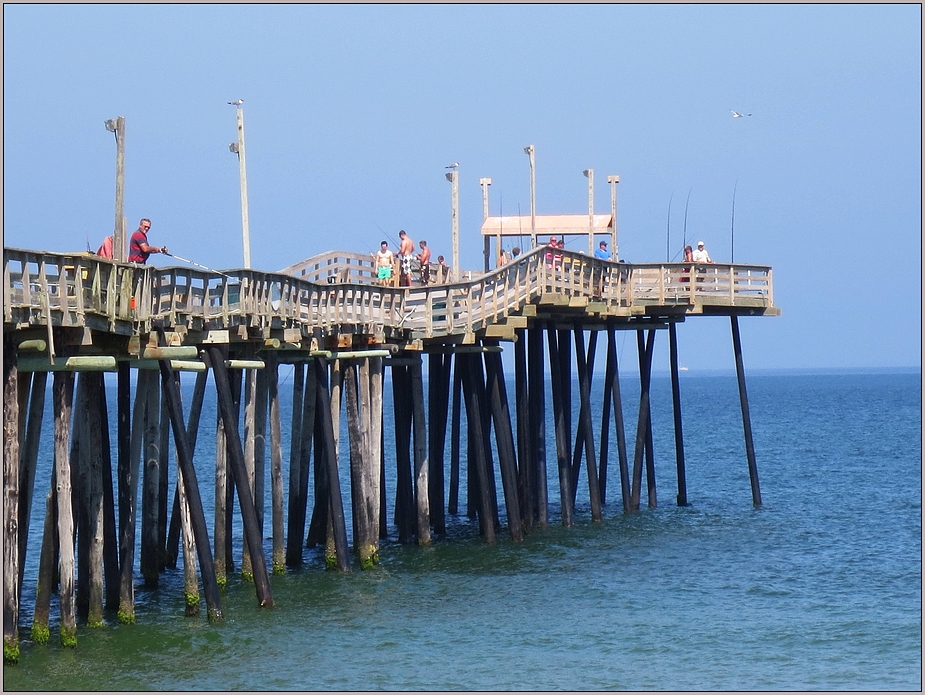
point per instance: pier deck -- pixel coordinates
(82, 291)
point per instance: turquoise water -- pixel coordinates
(820, 589)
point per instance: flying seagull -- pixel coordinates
(236, 103)
(452, 166)
(736, 114)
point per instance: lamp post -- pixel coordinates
(590, 174)
(613, 180)
(528, 150)
(117, 127)
(238, 149)
(485, 183)
(453, 178)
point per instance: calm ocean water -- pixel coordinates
(820, 589)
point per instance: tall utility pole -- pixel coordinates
(613, 180)
(529, 151)
(485, 183)
(238, 148)
(117, 127)
(453, 178)
(590, 174)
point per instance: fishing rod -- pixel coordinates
(387, 234)
(199, 265)
(686, 205)
(732, 232)
(668, 234)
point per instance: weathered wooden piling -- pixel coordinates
(239, 474)
(221, 556)
(335, 501)
(645, 373)
(190, 577)
(536, 386)
(249, 441)
(560, 406)
(504, 436)
(276, 466)
(642, 421)
(746, 417)
(421, 466)
(110, 538)
(163, 484)
(193, 501)
(295, 532)
(525, 479)
(192, 433)
(80, 453)
(676, 409)
(487, 436)
(63, 393)
(585, 370)
(128, 488)
(150, 485)
(438, 365)
(93, 496)
(28, 459)
(375, 488)
(452, 506)
(612, 393)
(10, 503)
(481, 470)
(404, 480)
(48, 560)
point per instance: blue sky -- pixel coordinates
(352, 112)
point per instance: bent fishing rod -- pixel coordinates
(198, 265)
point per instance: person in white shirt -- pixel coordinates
(701, 255)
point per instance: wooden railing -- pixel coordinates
(345, 266)
(84, 290)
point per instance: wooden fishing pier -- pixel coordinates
(77, 314)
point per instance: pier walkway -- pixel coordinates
(82, 291)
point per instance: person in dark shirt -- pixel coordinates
(139, 249)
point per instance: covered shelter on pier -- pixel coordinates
(546, 226)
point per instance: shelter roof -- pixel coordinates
(518, 225)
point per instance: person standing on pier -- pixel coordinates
(405, 251)
(688, 258)
(701, 255)
(602, 252)
(384, 260)
(138, 248)
(424, 259)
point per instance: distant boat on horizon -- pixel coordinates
(683, 369)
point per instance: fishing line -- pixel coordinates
(668, 235)
(685, 215)
(732, 231)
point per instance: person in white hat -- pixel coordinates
(701, 255)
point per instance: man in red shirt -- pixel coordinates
(138, 249)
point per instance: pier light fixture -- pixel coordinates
(589, 173)
(238, 149)
(485, 182)
(613, 180)
(453, 178)
(116, 126)
(529, 151)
